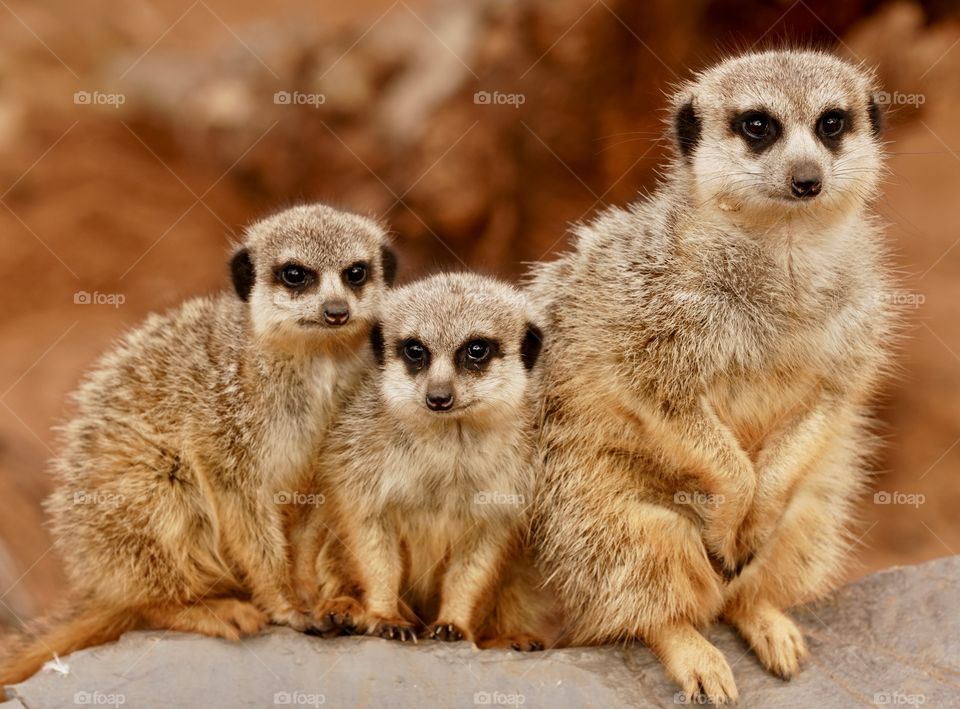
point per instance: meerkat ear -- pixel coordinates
(376, 343)
(687, 125)
(388, 259)
(241, 271)
(531, 345)
(876, 115)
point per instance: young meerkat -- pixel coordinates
(429, 473)
(186, 433)
(711, 354)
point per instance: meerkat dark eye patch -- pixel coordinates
(242, 273)
(475, 355)
(759, 130)
(688, 128)
(356, 274)
(414, 355)
(832, 126)
(531, 346)
(388, 262)
(876, 116)
(295, 277)
(376, 343)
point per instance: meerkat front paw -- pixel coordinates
(343, 614)
(728, 551)
(448, 632)
(393, 629)
(774, 638)
(692, 662)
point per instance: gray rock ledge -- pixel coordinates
(892, 638)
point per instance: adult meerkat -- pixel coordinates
(711, 353)
(191, 428)
(430, 472)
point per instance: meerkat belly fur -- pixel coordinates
(191, 433)
(710, 357)
(430, 471)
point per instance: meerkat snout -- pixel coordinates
(806, 180)
(336, 312)
(440, 398)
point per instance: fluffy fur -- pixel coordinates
(710, 356)
(428, 507)
(168, 504)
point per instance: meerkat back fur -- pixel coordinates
(430, 470)
(711, 353)
(165, 509)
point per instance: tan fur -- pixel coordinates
(429, 509)
(710, 355)
(168, 506)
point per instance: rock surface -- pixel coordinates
(890, 639)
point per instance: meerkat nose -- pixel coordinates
(440, 399)
(336, 312)
(806, 181)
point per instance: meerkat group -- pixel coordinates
(669, 425)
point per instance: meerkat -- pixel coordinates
(711, 354)
(430, 473)
(191, 433)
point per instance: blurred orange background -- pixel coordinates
(137, 138)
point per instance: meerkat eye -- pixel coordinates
(758, 129)
(478, 350)
(414, 354)
(356, 274)
(295, 276)
(756, 126)
(831, 124)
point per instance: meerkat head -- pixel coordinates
(778, 134)
(313, 274)
(455, 347)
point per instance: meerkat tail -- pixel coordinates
(74, 626)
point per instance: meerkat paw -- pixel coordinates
(392, 629)
(698, 667)
(729, 552)
(292, 618)
(519, 642)
(447, 632)
(774, 638)
(343, 614)
(227, 618)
